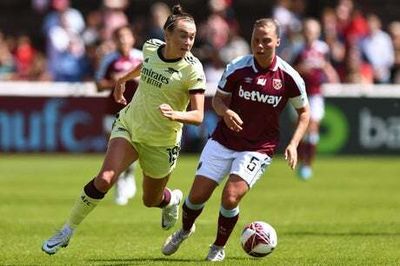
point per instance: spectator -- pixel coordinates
(214, 35)
(235, 47)
(60, 26)
(159, 13)
(394, 29)
(331, 36)
(73, 16)
(69, 61)
(290, 28)
(38, 70)
(381, 59)
(25, 56)
(355, 69)
(114, 17)
(7, 63)
(92, 33)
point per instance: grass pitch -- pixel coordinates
(348, 214)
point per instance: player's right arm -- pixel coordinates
(120, 84)
(220, 103)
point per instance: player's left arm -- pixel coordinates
(301, 127)
(194, 116)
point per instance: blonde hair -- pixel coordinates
(267, 22)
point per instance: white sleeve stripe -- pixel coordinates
(299, 101)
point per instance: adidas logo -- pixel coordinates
(171, 71)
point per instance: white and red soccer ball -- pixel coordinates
(258, 239)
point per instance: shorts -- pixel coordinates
(217, 161)
(317, 107)
(155, 161)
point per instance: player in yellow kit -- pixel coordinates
(149, 128)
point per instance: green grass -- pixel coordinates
(348, 214)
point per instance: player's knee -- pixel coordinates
(105, 180)
(197, 198)
(230, 201)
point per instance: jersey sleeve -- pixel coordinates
(196, 78)
(151, 45)
(297, 92)
(227, 81)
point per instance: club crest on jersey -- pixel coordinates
(277, 84)
(261, 81)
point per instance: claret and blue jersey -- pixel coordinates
(258, 97)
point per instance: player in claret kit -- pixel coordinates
(251, 94)
(149, 128)
(112, 67)
(312, 62)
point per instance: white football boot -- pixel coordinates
(125, 189)
(170, 213)
(58, 240)
(305, 172)
(173, 242)
(216, 253)
(130, 186)
(120, 195)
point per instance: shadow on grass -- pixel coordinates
(308, 233)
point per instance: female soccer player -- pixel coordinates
(251, 94)
(313, 64)
(149, 128)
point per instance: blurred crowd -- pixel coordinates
(361, 49)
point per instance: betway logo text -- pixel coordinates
(256, 96)
(377, 131)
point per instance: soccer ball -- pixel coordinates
(258, 239)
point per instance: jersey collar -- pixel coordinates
(160, 55)
(257, 68)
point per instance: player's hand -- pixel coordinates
(167, 111)
(119, 92)
(233, 121)
(291, 156)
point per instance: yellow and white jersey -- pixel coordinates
(161, 81)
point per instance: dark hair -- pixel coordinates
(177, 14)
(266, 22)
